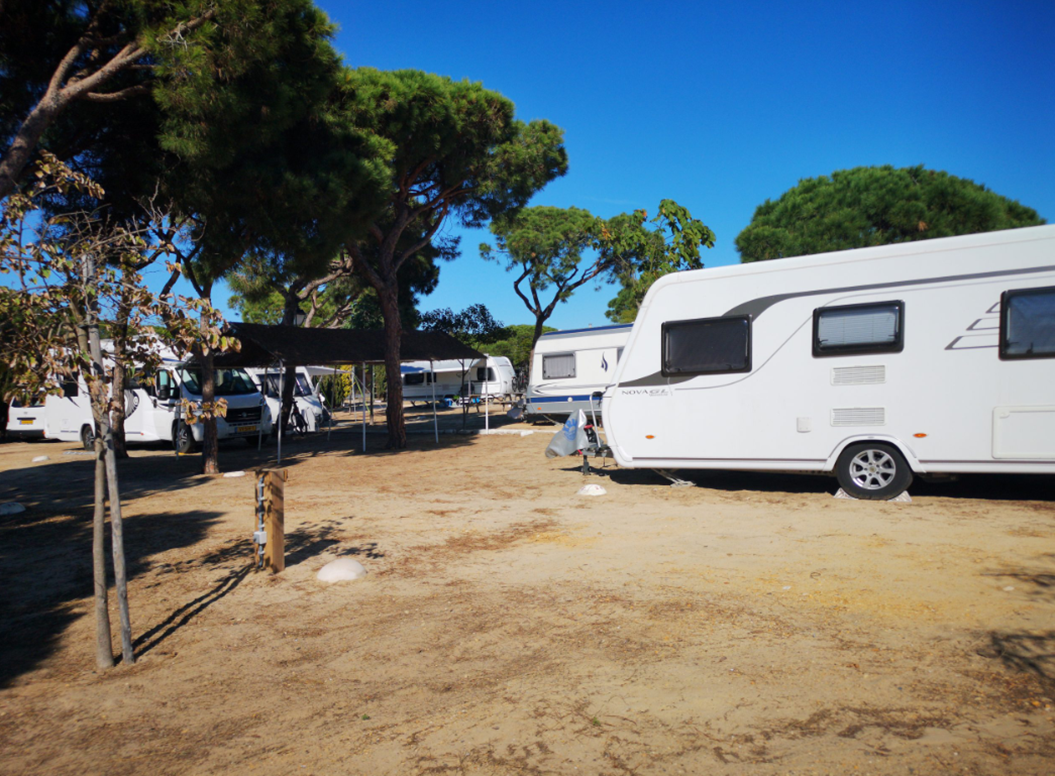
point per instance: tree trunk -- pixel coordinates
(118, 542)
(397, 432)
(210, 450)
(119, 407)
(104, 652)
(13, 163)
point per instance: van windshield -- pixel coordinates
(302, 387)
(229, 382)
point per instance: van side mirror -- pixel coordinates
(164, 392)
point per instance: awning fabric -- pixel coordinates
(296, 346)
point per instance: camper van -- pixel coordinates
(921, 358)
(458, 377)
(568, 367)
(152, 412)
(307, 399)
(25, 422)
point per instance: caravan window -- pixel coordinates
(707, 346)
(483, 375)
(859, 328)
(1027, 323)
(70, 389)
(558, 366)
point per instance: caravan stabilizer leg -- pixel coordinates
(675, 482)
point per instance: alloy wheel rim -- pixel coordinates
(872, 469)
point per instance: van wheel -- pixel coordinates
(182, 438)
(871, 470)
(88, 437)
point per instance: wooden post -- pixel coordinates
(274, 519)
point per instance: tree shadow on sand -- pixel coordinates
(301, 545)
(47, 564)
(1028, 652)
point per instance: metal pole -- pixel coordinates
(281, 390)
(364, 404)
(263, 403)
(435, 422)
(329, 426)
(487, 403)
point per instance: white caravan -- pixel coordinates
(307, 399)
(570, 366)
(152, 412)
(457, 377)
(25, 422)
(927, 357)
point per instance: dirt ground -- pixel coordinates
(508, 625)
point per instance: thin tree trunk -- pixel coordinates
(117, 539)
(210, 451)
(397, 432)
(104, 651)
(119, 407)
(105, 439)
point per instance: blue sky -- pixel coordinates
(720, 106)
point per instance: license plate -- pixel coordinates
(26, 421)
(246, 429)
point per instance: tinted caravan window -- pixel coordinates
(707, 346)
(558, 366)
(859, 328)
(1027, 323)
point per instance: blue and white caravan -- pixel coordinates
(568, 366)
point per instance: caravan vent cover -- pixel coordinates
(859, 416)
(858, 375)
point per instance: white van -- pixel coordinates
(152, 412)
(568, 367)
(25, 422)
(308, 401)
(928, 357)
(458, 377)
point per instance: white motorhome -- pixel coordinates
(568, 367)
(456, 377)
(152, 412)
(928, 357)
(307, 399)
(25, 422)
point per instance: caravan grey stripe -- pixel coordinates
(756, 307)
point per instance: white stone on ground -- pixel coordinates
(340, 570)
(11, 508)
(592, 490)
(234, 474)
(40, 458)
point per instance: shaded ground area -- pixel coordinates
(509, 626)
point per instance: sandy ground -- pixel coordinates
(507, 625)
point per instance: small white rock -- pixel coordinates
(40, 458)
(592, 490)
(234, 474)
(11, 508)
(340, 570)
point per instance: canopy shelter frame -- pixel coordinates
(293, 346)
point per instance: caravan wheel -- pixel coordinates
(88, 437)
(871, 470)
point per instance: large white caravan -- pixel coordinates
(926, 357)
(568, 367)
(152, 412)
(307, 399)
(458, 377)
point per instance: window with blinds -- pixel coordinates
(859, 328)
(558, 366)
(1027, 323)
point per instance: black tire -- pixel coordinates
(874, 471)
(88, 437)
(182, 438)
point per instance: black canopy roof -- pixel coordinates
(295, 346)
